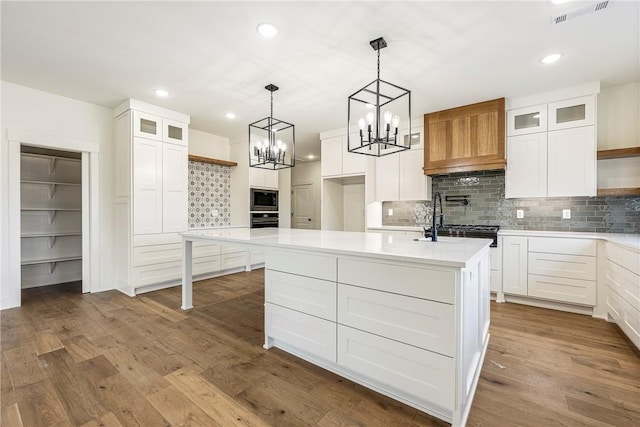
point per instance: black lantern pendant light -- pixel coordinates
(271, 141)
(379, 116)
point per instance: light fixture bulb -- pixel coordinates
(267, 30)
(395, 121)
(550, 59)
(161, 93)
(387, 116)
(361, 124)
(284, 146)
(370, 118)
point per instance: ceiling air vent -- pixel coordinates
(579, 11)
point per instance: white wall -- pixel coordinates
(208, 145)
(240, 184)
(52, 115)
(309, 173)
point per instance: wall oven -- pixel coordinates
(264, 219)
(264, 200)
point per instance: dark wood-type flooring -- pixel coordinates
(109, 360)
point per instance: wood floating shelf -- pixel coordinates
(618, 192)
(618, 153)
(212, 161)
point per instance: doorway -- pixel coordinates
(88, 156)
(303, 206)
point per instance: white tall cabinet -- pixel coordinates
(551, 146)
(151, 194)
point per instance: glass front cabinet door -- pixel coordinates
(572, 113)
(147, 126)
(523, 121)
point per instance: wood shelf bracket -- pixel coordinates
(52, 267)
(52, 217)
(53, 162)
(52, 241)
(52, 191)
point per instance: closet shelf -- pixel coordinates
(48, 260)
(29, 181)
(48, 157)
(50, 209)
(211, 161)
(54, 234)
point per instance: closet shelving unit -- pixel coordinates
(51, 205)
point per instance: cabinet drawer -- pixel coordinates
(304, 264)
(421, 373)
(206, 265)
(614, 305)
(614, 276)
(203, 250)
(156, 273)
(554, 245)
(557, 265)
(631, 260)
(233, 260)
(155, 254)
(257, 257)
(303, 332)
(399, 279)
(422, 323)
(231, 249)
(631, 288)
(630, 323)
(312, 296)
(563, 289)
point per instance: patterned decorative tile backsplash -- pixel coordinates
(209, 195)
(488, 206)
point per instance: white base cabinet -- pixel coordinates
(623, 289)
(379, 325)
(554, 269)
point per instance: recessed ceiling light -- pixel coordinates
(550, 59)
(230, 115)
(559, 1)
(311, 157)
(161, 93)
(267, 30)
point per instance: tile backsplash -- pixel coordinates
(209, 191)
(487, 205)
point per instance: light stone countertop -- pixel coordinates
(631, 241)
(448, 251)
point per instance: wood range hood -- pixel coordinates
(465, 139)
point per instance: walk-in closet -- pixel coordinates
(50, 216)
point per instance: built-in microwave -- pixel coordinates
(264, 200)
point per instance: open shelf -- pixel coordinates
(618, 192)
(27, 181)
(211, 161)
(54, 234)
(49, 209)
(618, 153)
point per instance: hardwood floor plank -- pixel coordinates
(171, 315)
(22, 365)
(179, 410)
(80, 348)
(107, 420)
(47, 341)
(39, 405)
(11, 416)
(213, 401)
(77, 395)
(599, 413)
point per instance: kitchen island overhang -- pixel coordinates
(405, 318)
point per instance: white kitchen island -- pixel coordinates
(408, 319)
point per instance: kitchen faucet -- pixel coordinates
(434, 229)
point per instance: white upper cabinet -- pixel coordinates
(571, 113)
(527, 120)
(551, 149)
(147, 126)
(526, 174)
(263, 178)
(571, 162)
(154, 127)
(414, 184)
(175, 132)
(337, 161)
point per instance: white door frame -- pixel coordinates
(90, 196)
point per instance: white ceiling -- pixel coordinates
(210, 58)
